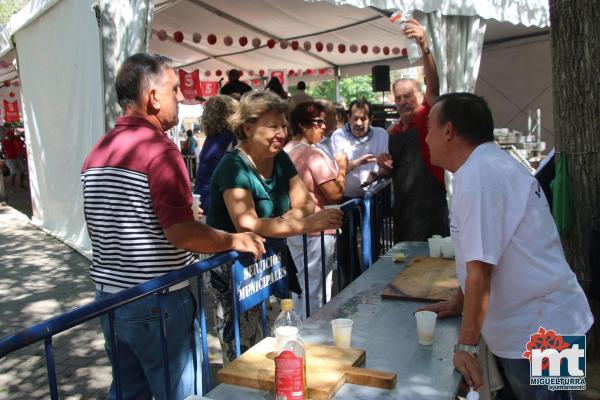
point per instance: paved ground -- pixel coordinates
(41, 277)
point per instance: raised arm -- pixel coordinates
(414, 30)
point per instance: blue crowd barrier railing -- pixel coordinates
(45, 330)
(378, 203)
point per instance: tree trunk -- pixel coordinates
(575, 35)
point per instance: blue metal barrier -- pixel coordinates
(378, 203)
(45, 330)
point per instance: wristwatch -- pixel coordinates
(468, 348)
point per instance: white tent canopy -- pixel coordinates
(66, 57)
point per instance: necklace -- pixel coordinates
(251, 161)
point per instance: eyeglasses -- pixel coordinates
(318, 122)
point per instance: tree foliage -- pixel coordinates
(350, 89)
(8, 8)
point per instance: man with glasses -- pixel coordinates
(420, 207)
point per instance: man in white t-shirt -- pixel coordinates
(512, 271)
(366, 147)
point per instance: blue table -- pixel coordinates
(386, 329)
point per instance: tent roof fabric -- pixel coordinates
(359, 22)
(311, 21)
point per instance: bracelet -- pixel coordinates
(426, 51)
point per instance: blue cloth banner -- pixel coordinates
(254, 282)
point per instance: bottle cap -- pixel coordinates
(287, 305)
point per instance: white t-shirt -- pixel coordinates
(375, 142)
(500, 216)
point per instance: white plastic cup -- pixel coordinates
(435, 247)
(425, 326)
(447, 248)
(342, 332)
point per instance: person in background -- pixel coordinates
(324, 178)
(137, 206)
(274, 85)
(330, 126)
(510, 264)
(219, 139)
(255, 188)
(366, 147)
(234, 87)
(190, 144)
(420, 206)
(12, 151)
(301, 96)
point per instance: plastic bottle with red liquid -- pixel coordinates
(290, 356)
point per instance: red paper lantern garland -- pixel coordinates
(256, 42)
(7, 83)
(12, 94)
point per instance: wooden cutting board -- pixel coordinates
(424, 279)
(327, 369)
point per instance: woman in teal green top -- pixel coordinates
(255, 188)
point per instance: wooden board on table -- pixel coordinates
(327, 369)
(424, 279)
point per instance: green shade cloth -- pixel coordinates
(562, 206)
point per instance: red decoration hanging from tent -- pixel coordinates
(283, 44)
(197, 37)
(307, 45)
(207, 73)
(219, 72)
(261, 72)
(189, 84)
(256, 42)
(330, 47)
(161, 35)
(322, 71)
(308, 72)
(319, 46)
(376, 49)
(11, 111)
(342, 48)
(228, 41)
(404, 52)
(178, 36)
(7, 83)
(251, 72)
(271, 43)
(12, 94)
(396, 51)
(353, 48)
(295, 45)
(241, 73)
(243, 41)
(386, 50)
(364, 49)
(291, 72)
(211, 39)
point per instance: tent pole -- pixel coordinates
(336, 78)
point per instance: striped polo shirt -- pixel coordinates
(135, 185)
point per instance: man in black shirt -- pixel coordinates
(235, 87)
